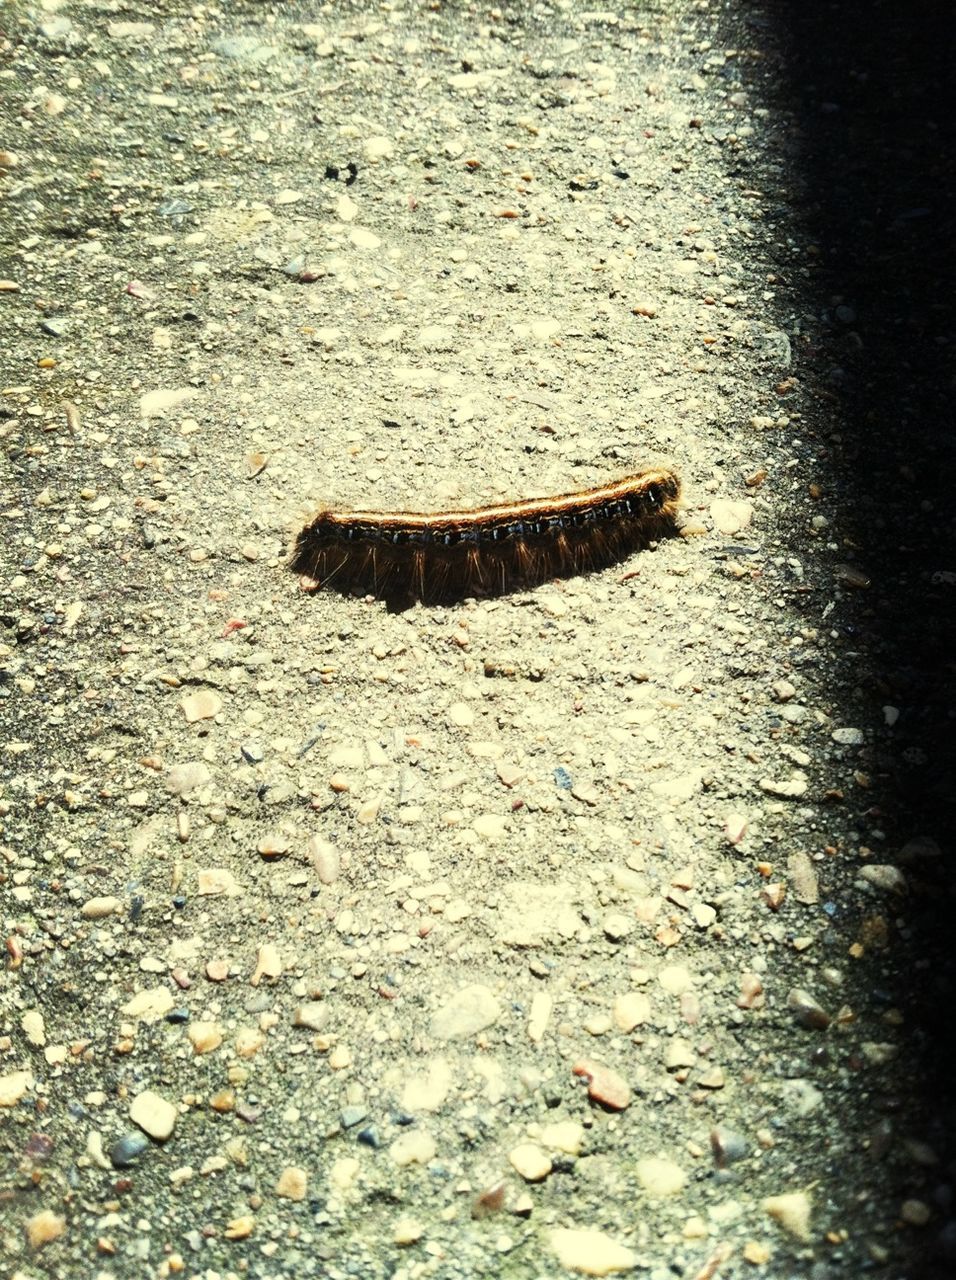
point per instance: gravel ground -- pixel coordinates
(580, 931)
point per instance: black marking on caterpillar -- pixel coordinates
(444, 556)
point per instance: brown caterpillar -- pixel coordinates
(448, 555)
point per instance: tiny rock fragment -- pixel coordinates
(540, 1012)
(631, 1009)
(786, 788)
(248, 1042)
(713, 1079)
(617, 925)
(751, 992)
(757, 1253)
(564, 1135)
(675, 979)
(311, 1015)
(213, 881)
(202, 705)
(186, 777)
(884, 876)
(803, 878)
(727, 1145)
(368, 810)
(774, 896)
(268, 964)
(852, 575)
(204, 1037)
(730, 517)
(14, 1086)
(735, 827)
(792, 1211)
(156, 403)
(470, 1010)
(806, 1011)
(489, 1201)
(530, 1161)
(679, 1054)
(407, 1231)
(149, 1005)
(325, 859)
(604, 1085)
(848, 737)
(154, 1114)
(99, 908)
(44, 1227)
(415, 1146)
(239, 1228)
(293, 1183)
(461, 715)
(33, 1028)
(915, 1213)
(659, 1176)
(273, 845)
(591, 1253)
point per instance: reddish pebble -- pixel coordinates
(604, 1085)
(751, 992)
(217, 970)
(490, 1201)
(181, 979)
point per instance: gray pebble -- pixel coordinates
(128, 1149)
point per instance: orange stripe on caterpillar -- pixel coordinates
(446, 555)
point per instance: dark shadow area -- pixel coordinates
(871, 85)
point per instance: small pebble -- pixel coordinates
(325, 859)
(591, 1253)
(183, 778)
(631, 1010)
(239, 1228)
(659, 1176)
(915, 1213)
(884, 876)
(311, 1015)
(293, 1183)
(564, 1135)
(44, 1227)
(268, 964)
(34, 1028)
(407, 1231)
(757, 1253)
(99, 908)
(792, 1211)
(489, 1201)
(803, 878)
(202, 705)
(530, 1161)
(471, 1009)
(604, 1085)
(730, 517)
(806, 1011)
(127, 1150)
(413, 1147)
(14, 1086)
(154, 1114)
(205, 1037)
(727, 1145)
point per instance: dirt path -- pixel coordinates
(353, 942)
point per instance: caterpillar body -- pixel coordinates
(442, 556)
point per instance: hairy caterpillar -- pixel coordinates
(447, 555)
